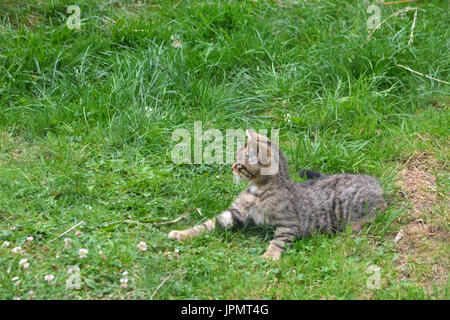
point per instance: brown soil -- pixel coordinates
(424, 238)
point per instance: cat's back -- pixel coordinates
(328, 201)
(345, 187)
(343, 182)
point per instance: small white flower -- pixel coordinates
(30, 238)
(49, 278)
(26, 265)
(15, 279)
(142, 246)
(16, 298)
(17, 250)
(288, 117)
(67, 243)
(31, 294)
(124, 282)
(125, 273)
(177, 250)
(23, 261)
(6, 244)
(83, 253)
(176, 41)
(12, 228)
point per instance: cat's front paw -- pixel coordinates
(178, 235)
(272, 255)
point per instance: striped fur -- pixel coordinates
(323, 203)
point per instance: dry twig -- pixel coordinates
(396, 13)
(412, 28)
(160, 285)
(176, 4)
(400, 1)
(182, 216)
(421, 74)
(67, 231)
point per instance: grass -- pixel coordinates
(78, 142)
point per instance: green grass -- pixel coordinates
(77, 143)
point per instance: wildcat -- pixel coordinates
(322, 203)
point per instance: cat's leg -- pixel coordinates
(371, 212)
(357, 225)
(283, 237)
(228, 219)
(207, 226)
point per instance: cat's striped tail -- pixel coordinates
(311, 175)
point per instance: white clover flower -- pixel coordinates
(176, 42)
(83, 253)
(176, 250)
(30, 238)
(288, 117)
(12, 228)
(142, 246)
(6, 244)
(23, 261)
(26, 265)
(49, 278)
(67, 243)
(124, 282)
(148, 111)
(17, 250)
(31, 294)
(16, 298)
(15, 279)
(125, 273)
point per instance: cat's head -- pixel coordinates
(259, 160)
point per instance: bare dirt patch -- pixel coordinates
(423, 241)
(418, 185)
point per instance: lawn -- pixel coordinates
(87, 115)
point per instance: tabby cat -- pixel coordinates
(322, 203)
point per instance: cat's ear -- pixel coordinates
(251, 134)
(261, 145)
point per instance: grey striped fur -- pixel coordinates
(323, 203)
